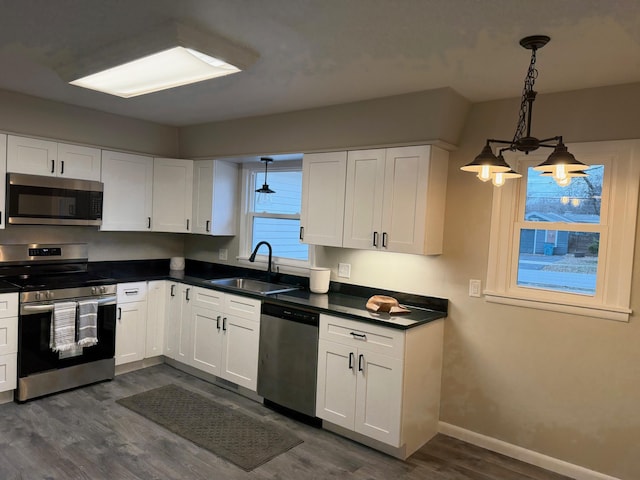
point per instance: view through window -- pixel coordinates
(561, 259)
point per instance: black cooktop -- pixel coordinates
(51, 282)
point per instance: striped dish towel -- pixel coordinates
(63, 327)
(87, 323)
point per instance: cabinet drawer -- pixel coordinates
(244, 307)
(132, 292)
(8, 305)
(387, 341)
(8, 335)
(8, 371)
(206, 298)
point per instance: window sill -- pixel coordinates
(601, 311)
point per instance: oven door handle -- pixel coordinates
(48, 307)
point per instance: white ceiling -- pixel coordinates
(323, 52)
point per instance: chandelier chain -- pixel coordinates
(529, 81)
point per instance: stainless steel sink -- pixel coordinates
(253, 286)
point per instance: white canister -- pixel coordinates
(319, 279)
(176, 263)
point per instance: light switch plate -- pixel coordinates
(475, 287)
(222, 254)
(344, 270)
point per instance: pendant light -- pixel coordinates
(561, 165)
(265, 186)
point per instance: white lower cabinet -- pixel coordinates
(156, 314)
(215, 332)
(380, 382)
(8, 341)
(131, 321)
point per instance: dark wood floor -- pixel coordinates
(84, 434)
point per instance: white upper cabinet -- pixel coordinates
(323, 184)
(172, 195)
(215, 196)
(395, 199)
(43, 157)
(3, 175)
(128, 190)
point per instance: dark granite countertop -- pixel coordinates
(343, 300)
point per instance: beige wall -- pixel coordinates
(32, 116)
(562, 385)
(398, 120)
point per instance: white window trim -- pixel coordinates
(285, 265)
(617, 228)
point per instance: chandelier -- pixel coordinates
(561, 165)
(265, 186)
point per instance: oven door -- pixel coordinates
(34, 328)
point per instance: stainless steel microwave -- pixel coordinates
(40, 200)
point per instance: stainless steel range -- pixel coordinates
(66, 325)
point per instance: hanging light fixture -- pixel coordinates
(265, 186)
(561, 164)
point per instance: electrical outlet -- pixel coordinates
(222, 254)
(344, 270)
(475, 287)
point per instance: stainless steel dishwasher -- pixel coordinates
(288, 358)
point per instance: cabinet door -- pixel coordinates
(8, 372)
(240, 351)
(3, 176)
(8, 335)
(173, 316)
(215, 197)
(378, 397)
(31, 156)
(336, 393)
(128, 190)
(363, 199)
(130, 332)
(206, 327)
(414, 199)
(77, 161)
(184, 351)
(172, 195)
(156, 318)
(323, 187)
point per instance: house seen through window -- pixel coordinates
(565, 259)
(275, 217)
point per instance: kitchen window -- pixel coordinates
(567, 249)
(274, 217)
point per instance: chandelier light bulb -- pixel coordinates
(560, 173)
(498, 179)
(485, 173)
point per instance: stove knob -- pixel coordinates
(38, 295)
(49, 294)
(103, 289)
(94, 290)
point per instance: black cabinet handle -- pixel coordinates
(358, 335)
(148, 222)
(384, 239)
(173, 293)
(301, 233)
(119, 313)
(0, 217)
(187, 224)
(375, 239)
(61, 167)
(218, 322)
(186, 296)
(224, 324)
(360, 363)
(350, 360)
(206, 227)
(53, 166)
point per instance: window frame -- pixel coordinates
(617, 229)
(249, 172)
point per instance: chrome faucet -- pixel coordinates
(252, 258)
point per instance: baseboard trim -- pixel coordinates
(523, 454)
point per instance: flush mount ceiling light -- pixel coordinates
(265, 186)
(167, 57)
(561, 164)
